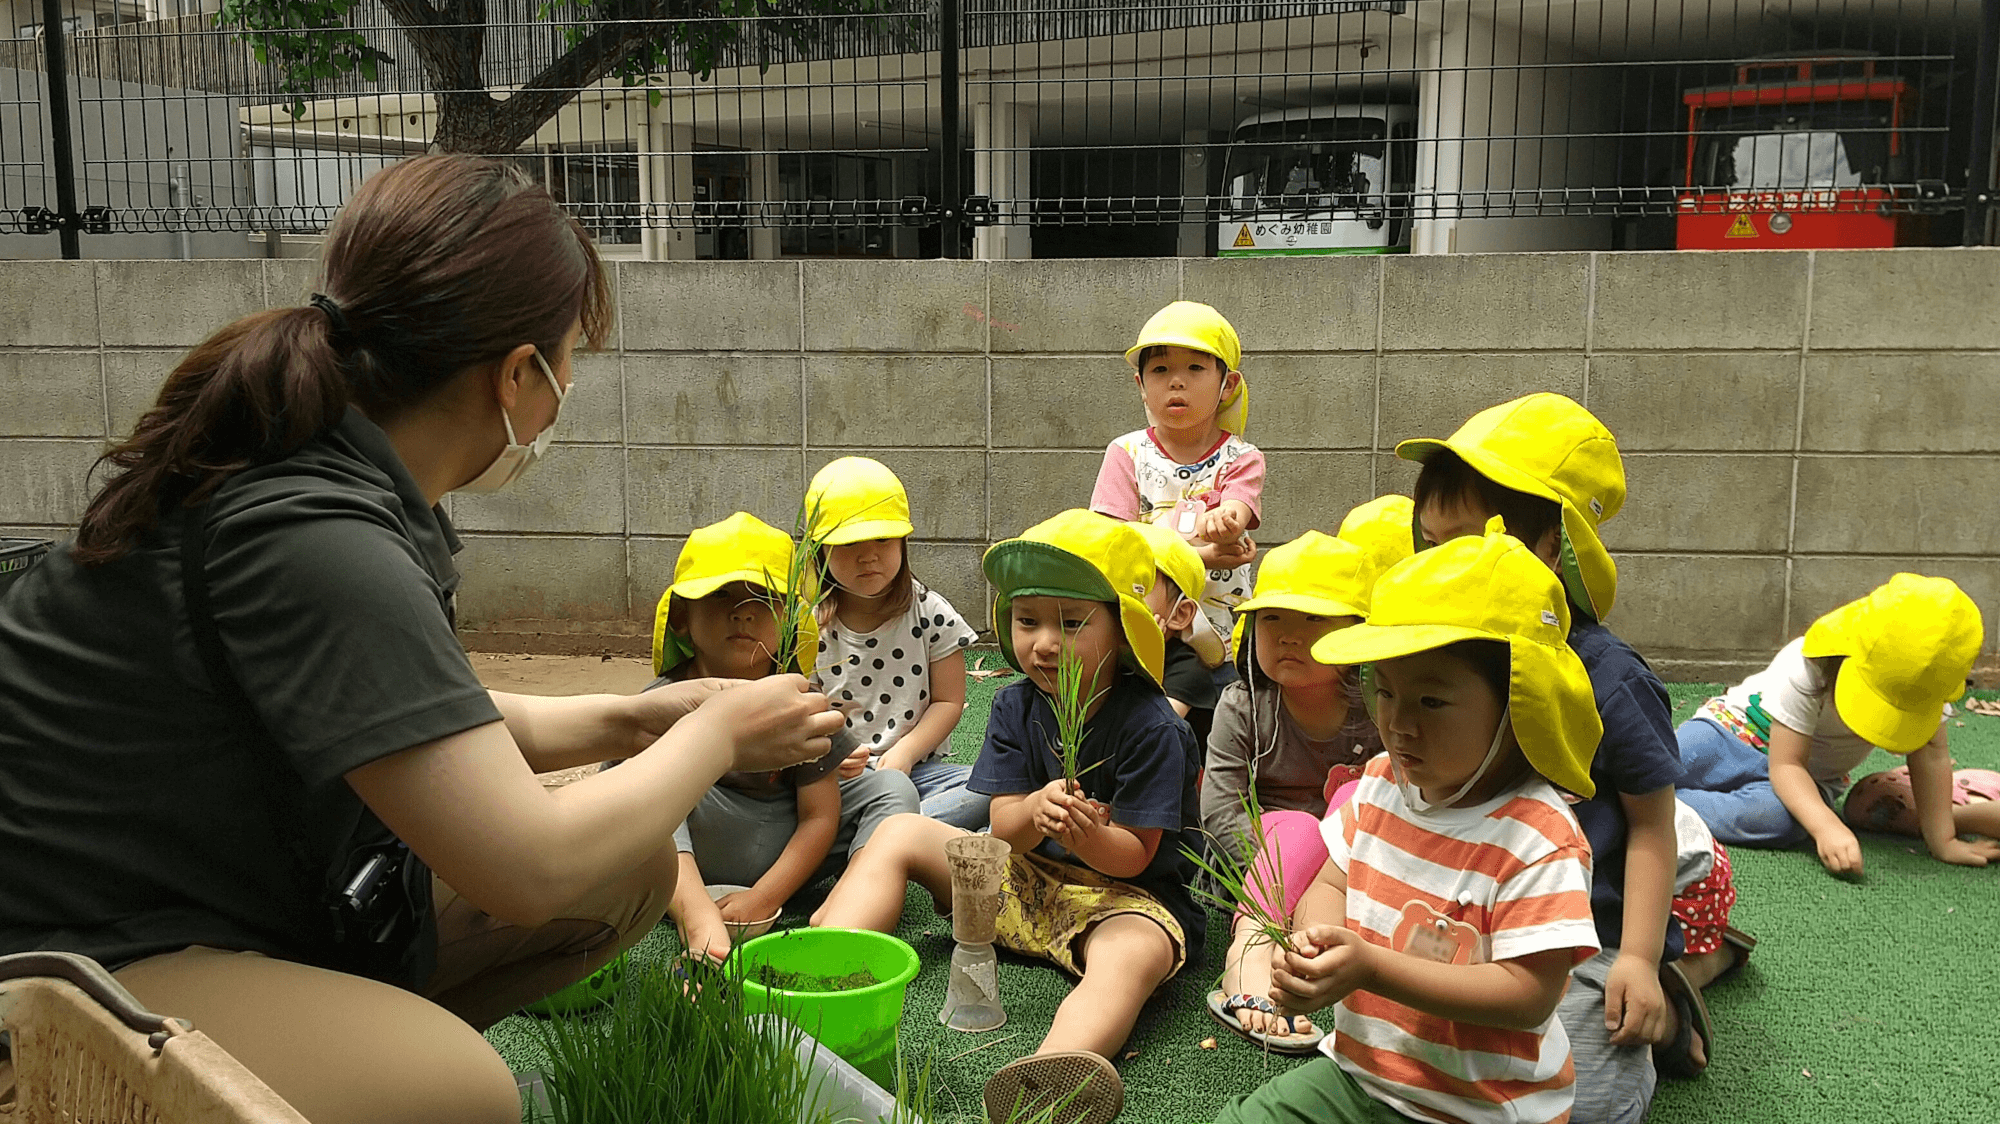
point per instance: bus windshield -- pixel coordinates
(1793, 148)
(1316, 164)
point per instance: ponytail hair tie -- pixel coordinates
(336, 320)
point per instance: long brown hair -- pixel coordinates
(435, 264)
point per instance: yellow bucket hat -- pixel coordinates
(855, 499)
(741, 548)
(1490, 587)
(1384, 529)
(1173, 557)
(1195, 325)
(1909, 646)
(1314, 573)
(1546, 445)
(1083, 555)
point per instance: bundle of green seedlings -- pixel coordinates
(1072, 707)
(1235, 883)
(672, 1048)
(802, 594)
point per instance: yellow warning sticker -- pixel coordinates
(1742, 228)
(1243, 239)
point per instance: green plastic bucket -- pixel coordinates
(859, 1025)
(589, 993)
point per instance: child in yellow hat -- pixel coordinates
(1098, 879)
(1384, 530)
(1195, 651)
(1190, 468)
(1455, 898)
(1766, 761)
(771, 833)
(1298, 731)
(892, 649)
(1553, 473)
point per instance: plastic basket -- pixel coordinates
(860, 1024)
(16, 555)
(83, 1049)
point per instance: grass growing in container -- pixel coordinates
(674, 1049)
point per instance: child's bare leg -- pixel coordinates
(700, 922)
(906, 848)
(1124, 958)
(1247, 971)
(1981, 817)
(1702, 969)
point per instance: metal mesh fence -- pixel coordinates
(909, 128)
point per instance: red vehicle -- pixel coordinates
(1798, 154)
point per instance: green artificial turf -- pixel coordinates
(1867, 1002)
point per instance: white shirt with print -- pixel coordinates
(882, 679)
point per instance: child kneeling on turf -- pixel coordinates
(1098, 881)
(770, 832)
(1456, 895)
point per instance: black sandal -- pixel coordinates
(1676, 1058)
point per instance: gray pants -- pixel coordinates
(1614, 1084)
(736, 836)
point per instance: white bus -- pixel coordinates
(1327, 179)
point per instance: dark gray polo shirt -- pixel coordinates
(140, 811)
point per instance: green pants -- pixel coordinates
(1318, 1092)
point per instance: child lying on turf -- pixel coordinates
(1765, 762)
(1297, 729)
(1456, 897)
(770, 832)
(1097, 882)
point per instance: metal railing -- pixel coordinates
(907, 128)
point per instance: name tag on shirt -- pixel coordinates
(1429, 935)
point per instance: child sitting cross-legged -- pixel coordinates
(1292, 734)
(770, 832)
(895, 649)
(1097, 882)
(1456, 895)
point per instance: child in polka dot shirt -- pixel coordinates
(892, 651)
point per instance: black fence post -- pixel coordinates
(68, 222)
(953, 185)
(1985, 91)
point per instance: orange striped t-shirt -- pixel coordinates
(1517, 869)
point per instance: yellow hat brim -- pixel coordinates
(671, 649)
(1551, 705)
(1301, 603)
(868, 530)
(1880, 722)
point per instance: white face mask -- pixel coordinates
(516, 458)
(1415, 800)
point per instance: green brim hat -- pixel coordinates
(1086, 557)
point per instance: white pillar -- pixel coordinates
(1001, 134)
(1440, 134)
(666, 187)
(1195, 219)
(763, 189)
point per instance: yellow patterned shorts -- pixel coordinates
(1046, 906)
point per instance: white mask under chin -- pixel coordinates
(517, 458)
(1415, 801)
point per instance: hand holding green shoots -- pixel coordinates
(1324, 966)
(1072, 707)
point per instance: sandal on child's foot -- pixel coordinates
(1676, 1058)
(1296, 1042)
(1739, 944)
(1082, 1087)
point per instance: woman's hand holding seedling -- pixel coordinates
(652, 713)
(1324, 965)
(774, 722)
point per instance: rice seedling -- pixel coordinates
(1237, 883)
(607, 1069)
(1072, 707)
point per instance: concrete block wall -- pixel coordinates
(1797, 426)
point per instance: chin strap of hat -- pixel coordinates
(1415, 799)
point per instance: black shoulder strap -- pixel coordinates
(201, 615)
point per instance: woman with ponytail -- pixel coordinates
(244, 762)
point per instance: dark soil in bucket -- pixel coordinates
(780, 980)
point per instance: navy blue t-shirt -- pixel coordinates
(1150, 765)
(1639, 754)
